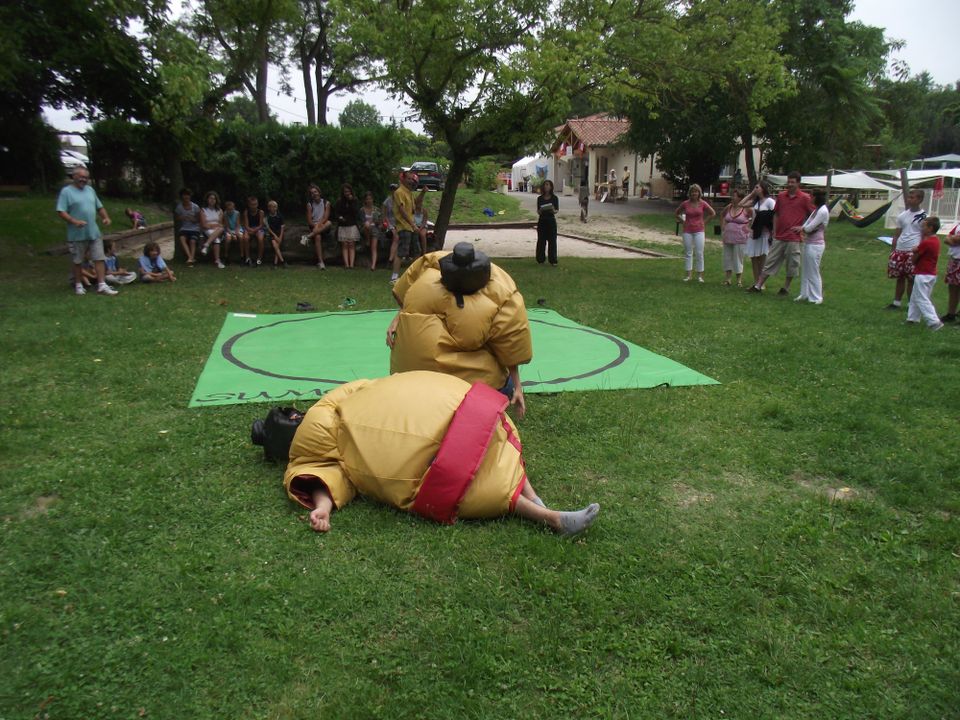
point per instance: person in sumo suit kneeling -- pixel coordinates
(424, 442)
(461, 315)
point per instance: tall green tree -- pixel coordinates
(489, 76)
(247, 36)
(329, 61)
(76, 54)
(358, 114)
(703, 113)
(834, 63)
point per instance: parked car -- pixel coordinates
(429, 174)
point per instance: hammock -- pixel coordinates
(848, 212)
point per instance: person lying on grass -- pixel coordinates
(424, 442)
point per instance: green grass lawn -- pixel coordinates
(469, 205)
(153, 567)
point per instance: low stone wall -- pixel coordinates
(127, 240)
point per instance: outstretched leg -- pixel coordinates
(320, 515)
(563, 523)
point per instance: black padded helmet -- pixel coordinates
(464, 271)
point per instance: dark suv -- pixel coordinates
(429, 175)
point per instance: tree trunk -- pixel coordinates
(747, 139)
(175, 174)
(305, 62)
(454, 175)
(323, 96)
(263, 68)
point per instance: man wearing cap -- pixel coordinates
(461, 315)
(79, 206)
(403, 213)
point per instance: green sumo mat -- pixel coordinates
(282, 358)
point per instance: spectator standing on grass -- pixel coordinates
(793, 206)
(390, 221)
(547, 207)
(346, 212)
(814, 243)
(734, 229)
(370, 217)
(693, 213)
(905, 241)
(79, 207)
(403, 216)
(187, 215)
(952, 278)
(925, 257)
(420, 218)
(211, 221)
(318, 220)
(758, 243)
(253, 227)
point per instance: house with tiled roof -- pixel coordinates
(591, 152)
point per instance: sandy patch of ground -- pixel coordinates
(510, 243)
(614, 229)
(513, 243)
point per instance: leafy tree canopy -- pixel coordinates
(358, 114)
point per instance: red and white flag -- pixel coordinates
(938, 188)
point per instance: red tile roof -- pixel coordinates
(594, 130)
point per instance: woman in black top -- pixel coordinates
(345, 212)
(547, 207)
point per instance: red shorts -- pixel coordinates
(953, 272)
(900, 264)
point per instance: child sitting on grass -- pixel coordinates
(152, 267)
(275, 229)
(925, 257)
(115, 275)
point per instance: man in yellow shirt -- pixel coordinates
(403, 212)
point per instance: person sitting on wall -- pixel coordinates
(442, 449)
(460, 314)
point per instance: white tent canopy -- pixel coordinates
(842, 181)
(531, 165)
(919, 176)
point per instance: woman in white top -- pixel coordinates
(814, 243)
(211, 222)
(759, 243)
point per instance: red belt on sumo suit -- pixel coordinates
(461, 452)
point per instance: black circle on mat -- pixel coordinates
(229, 356)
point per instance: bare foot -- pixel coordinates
(320, 519)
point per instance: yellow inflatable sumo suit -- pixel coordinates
(424, 442)
(478, 342)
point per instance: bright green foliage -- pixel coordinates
(484, 76)
(833, 63)
(482, 174)
(279, 161)
(708, 108)
(920, 119)
(358, 114)
(246, 36)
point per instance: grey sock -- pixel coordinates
(577, 521)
